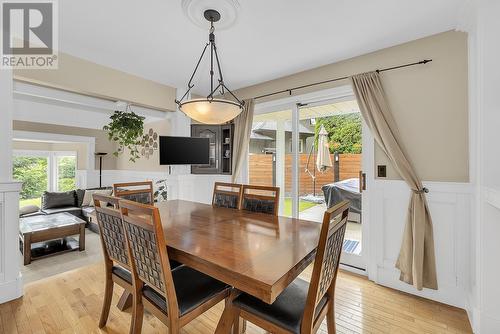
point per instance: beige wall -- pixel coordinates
(102, 144)
(162, 128)
(81, 76)
(31, 146)
(79, 148)
(429, 102)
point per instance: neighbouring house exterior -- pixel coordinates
(263, 137)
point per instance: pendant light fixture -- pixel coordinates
(211, 110)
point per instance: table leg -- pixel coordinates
(125, 301)
(226, 320)
(27, 248)
(238, 322)
(81, 241)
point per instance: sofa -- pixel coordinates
(70, 202)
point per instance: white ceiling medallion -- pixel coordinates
(194, 10)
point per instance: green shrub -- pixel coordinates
(344, 132)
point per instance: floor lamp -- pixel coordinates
(100, 155)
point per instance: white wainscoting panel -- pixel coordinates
(196, 188)
(449, 204)
(492, 196)
(11, 286)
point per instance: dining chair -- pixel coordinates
(175, 297)
(227, 195)
(261, 199)
(141, 192)
(302, 306)
(114, 248)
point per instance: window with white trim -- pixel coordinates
(43, 171)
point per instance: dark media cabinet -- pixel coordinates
(221, 148)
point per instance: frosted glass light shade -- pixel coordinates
(216, 111)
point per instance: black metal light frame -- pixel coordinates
(212, 16)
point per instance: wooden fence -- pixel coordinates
(261, 171)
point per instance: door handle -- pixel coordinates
(362, 181)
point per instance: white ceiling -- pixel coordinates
(271, 38)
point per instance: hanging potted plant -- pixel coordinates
(126, 129)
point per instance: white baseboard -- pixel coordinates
(11, 290)
(447, 294)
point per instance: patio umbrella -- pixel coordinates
(323, 160)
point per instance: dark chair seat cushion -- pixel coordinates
(69, 209)
(123, 273)
(286, 311)
(192, 288)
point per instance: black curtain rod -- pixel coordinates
(289, 90)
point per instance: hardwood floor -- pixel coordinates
(71, 303)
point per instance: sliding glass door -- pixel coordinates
(329, 167)
(313, 152)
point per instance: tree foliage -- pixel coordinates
(32, 171)
(66, 173)
(344, 132)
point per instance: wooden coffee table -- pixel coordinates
(42, 236)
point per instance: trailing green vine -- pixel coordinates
(126, 129)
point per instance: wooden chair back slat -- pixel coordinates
(326, 263)
(261, 199)
(141, 192)
(111, 232)
(227, 195)
(148, 250)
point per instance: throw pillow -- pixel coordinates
(27, 209)
(80, 193)
(58, 199)
(89, 201)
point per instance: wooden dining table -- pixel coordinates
(255, 253)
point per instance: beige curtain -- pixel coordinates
(416, 259)
(242, 130)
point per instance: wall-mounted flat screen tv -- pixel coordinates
(184, 150)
